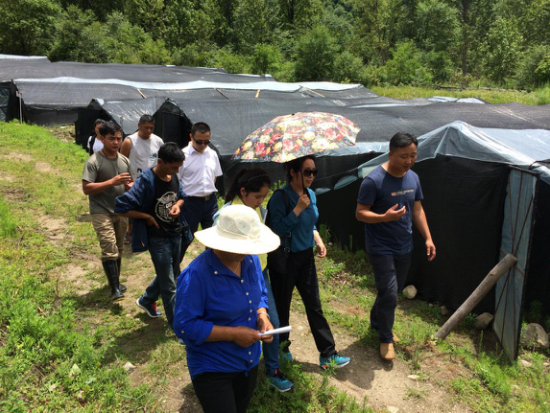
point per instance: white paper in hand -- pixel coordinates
(281, 330)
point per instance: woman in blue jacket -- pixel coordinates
(293, 213)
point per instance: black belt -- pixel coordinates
(204, 198)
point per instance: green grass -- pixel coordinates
(538, 97)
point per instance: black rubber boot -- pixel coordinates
(111, 271)
(118, 264)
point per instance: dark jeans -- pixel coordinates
(165, 253)
(225, 392)
(198, 211)
(302, 274)
(271, 350)
(390, 273)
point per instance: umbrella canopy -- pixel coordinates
(292, 136)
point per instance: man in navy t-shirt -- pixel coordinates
(389, 202)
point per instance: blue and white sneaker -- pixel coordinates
(279, 381)
(335, 360)
(150, 309)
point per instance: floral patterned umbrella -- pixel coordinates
(292, 136)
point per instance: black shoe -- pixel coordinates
(111, 270)
(119, 264)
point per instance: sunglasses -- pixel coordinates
(198, 142)
(309, 172)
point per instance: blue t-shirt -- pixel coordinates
(381, 191)
(209, 294)
(300, 227)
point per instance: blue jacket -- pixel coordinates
(140, 198)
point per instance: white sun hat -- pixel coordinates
(239, 231)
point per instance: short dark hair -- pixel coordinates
(171, 152)
(201, 127)
(99, 122)
(109, 128)
(146, 118)
(402, 140)
(296, 165)
(252, 180)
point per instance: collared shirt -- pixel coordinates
(300, 227)
(199, 171)
(210, 294)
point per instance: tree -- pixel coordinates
(78, 38)
(314, 54)
(266, 59)
(28, 26)
(299, 14)
(100, 8)
(127, 43)
(437, 26)
(375, 28)
(256, 21)
(147, 14)
(404, 66)
(501, 50)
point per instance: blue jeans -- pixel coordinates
(165, 253)
(390, 274)
(198, 211)
(271, 350)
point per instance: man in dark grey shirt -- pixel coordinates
(106, 176)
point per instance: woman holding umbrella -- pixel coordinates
(293, 210)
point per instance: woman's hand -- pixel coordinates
(264, 325)
(245, 336)
(321, 249)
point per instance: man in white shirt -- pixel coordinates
(198, 177)
(142, 147)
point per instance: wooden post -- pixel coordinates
(481, 291)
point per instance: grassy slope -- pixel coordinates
(45, 332)
(537, 97)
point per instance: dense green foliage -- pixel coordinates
(375, 42)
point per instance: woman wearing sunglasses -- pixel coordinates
(293, 212)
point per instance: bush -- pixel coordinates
(231, 62)
(439, 65)
(373, 75)
(314, 53)
(196, 54)
(266, 59)
(405, 68)
(534, 67)
(347, 68)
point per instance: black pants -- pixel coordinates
(225, 392)
(302, 274)
(198, 211)
(390, 274)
